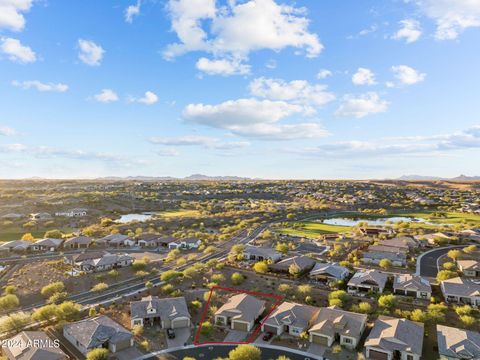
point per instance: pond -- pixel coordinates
(135, 217)
(373, 221)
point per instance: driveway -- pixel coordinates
(128, 354)
(259, 340)
(317, 349)
(235, 336)
(182, 337)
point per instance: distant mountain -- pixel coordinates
(432, 178)
(214, 178)
(194, 177)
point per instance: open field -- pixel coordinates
(313, 229)
(179, 213)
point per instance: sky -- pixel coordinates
(274, 89)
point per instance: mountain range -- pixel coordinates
(427, 178)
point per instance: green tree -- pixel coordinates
(206, 328)
(170, 275)
(97, 354)
(237, 278)
(9, 301)
(69, 311)
(46, 313)
(387, 301)
(454, 254)
(260, 267)
(245, 352)
(385, 264)
(282, 247)
(418, 315)
(54, 234)
(445, 275)
(50, 289)
(470, 249)
(14, 322)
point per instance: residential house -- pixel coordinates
(434, 238)
(372, 231)
(103, 263)
(325, 272)
(412, 285)
(300, 264)
(402, 242)
(257, 253)
(46, 244)
(78, 242)
(187, 243)
(374, 257)
(98, 332)
(291, 318)
(32, 345)
(462, 291)
(470, 268)
(456, 343)
(171, 313)
(16, 246)
(148, 240)
(240, 312)
(471, 234)
(364, 281)
(43, 216)
(73, 213)
(334, 324)
(393, 338)
(116, 240)
(77, 258)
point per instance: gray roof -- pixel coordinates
(292, 314)
(49, 242)
(458, 343)
(242, 307)
(115, 238)
(16, 245)
(169, 308)
(374, 255)
(411, 282)
(86, 256)
(473, 265)
(389, 249)
(265, 252)
(333, 320)
(107, 259)
(84, 240)
(336, 271)
(94, 332)
(461, 287)
(375, 276)
(303, 263)
(396, 334)
(20, 350)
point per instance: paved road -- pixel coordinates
(212, 352)
(428, 262)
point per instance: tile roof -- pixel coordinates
(458, 343)
(293, 314)
(241, 307)
(408, 281)
(333, 320)
(22, 349)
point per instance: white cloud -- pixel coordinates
(364, 76)
(132, 11)
(52, 87)
(90, 53)
(407, 75)
(414, 145)
(362, 105)
(296, 91)
(17, 52)
(149, 98)
(11, 16)
(222, 67)
(410, 31)
(271, 64)
(451, 16)
(9, 148)
(239, 28)
(254, 118)
(204, 141)
(324, 73)
(106, 96)
(168, 152)
(7, 131)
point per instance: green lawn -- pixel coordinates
(313, 229)
(179, 213)
(452, 217)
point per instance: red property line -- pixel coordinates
(251, 338)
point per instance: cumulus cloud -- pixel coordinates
(415, 145)
(295, 91)
(7, 131)
(239, 28)
(407, 75)
(106, 96)
(362, 105)
(452, 17)
(168, 152)
(410, 31)
(17, 52)
(11, 13)
(222, 67)
(132, 11)
(324, 73)
(203, 141)
(40, 86)
(90, 53)
(254, 118)
(363, 76)
(149, 98)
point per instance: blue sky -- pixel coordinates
(259, 88)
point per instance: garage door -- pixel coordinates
(412, 293)
(272, 329)
(240, 326)
(322, 340)
(180, 323)
(377, 355)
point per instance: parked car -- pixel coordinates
(267, 336)
(171, 334)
